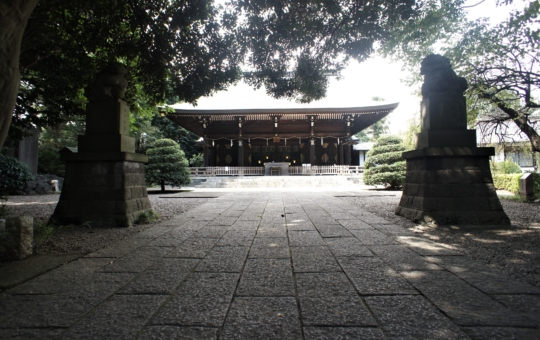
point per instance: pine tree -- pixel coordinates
(167, 164)
(384, 163)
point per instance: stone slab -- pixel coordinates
(203, 300)
(267, 277)
(464, 304)
(161, 278)
(335, 311)
(313, 259)
(177, 332)
(323, 284)
(193, 248)
(305, 238)
(347, 246)
(224, 259)
(263, 318)
(412, 317)
(329, 333)
(373, 237)
(123, 316)
(402, 258)
(15, 273)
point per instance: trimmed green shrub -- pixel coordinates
(507, 182)
(506, 167)
(13, 175)
(167, 164)
(384, 163)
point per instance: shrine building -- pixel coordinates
(253, 137)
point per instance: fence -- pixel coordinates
(337, 170)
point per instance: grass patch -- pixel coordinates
(43, 232)
(516, 198)
(147, 217)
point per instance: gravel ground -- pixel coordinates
(84, 239)
(514, 251)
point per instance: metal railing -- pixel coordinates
(337, 170)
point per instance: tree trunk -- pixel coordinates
(162, 186)
(522, 123)
(14, 16)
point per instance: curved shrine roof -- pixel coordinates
(294, 122)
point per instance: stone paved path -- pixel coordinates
(272, 266)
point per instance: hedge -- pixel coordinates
(507, 182)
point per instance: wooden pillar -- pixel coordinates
(312, 151)
(205, 155)
(348, 155)
(341, 160)
(240, 152)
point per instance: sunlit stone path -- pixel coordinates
(272, 265)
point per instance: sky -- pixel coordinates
(358, 85)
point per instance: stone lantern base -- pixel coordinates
(450, 186)
(103, 189)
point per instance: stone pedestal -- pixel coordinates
(104, 182)
(450, 186)
(448, 179)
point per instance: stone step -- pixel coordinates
(276, 182)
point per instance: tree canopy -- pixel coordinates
(184, 50)
(502, 66)
(500, 62)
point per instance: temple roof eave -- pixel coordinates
(304, 111)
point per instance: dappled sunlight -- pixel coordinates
(413, 274)
(422, 243)
(485, 240)
(525, 252)
(30, 203)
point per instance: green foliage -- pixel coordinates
(197, 160)
(13, 175)
(175, 49)
(507, 182)
(167, 129)
(374, 131)
(506, 167)
(43, 232)
(147, 217)
(384, 164)
(409, 136)
(167, 164)
(293, 45)
(52, 139)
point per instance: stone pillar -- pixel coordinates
(19, 236)
(104, 182)
(312, 151)
(448, 179)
